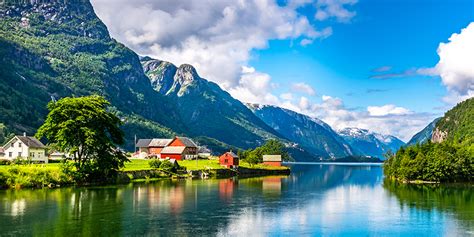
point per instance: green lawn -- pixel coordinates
(139, 164)
(200, 165)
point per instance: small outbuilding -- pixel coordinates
(273, 160)
(229, 160)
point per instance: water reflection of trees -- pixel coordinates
(456, 199)
(61, 212)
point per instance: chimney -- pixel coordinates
(24, 134)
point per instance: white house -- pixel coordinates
(25, 147)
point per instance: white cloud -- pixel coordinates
(456, 65)
(304, 103)
(305, 42)
(335, 9)
(254, 87)
(216, 37)
(387, 110)
(286, 96)
(302, 87)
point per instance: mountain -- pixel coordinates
(313, 135)
(204, 107)
(456, 125)
(369, 143)
(53, 49)
(423, 135)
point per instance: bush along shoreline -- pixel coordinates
(432, 163)
(22, 176)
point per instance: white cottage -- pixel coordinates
(25, 147)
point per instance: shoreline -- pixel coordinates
(141, 175)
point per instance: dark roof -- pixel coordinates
(232, 154)
(31, 142)
(143, 142)
(160, 142)
(187, 141)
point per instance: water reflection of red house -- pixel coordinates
(272, 183)
(226, 188)
(176, 199)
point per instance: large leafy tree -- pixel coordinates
(84, 128)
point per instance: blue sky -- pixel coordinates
(396, 34)
(387, 66)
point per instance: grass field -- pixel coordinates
(139, 164)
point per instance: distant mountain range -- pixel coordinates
(61, 48)
(369, 143)
(311, 134)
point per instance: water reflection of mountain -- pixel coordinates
(317, 176)
(457, 200)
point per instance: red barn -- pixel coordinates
(229, 160)
(273, 160)
(180, 148)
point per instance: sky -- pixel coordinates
(383, 65)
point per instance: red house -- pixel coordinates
(272, 160)
(229, 160)
(180, 148)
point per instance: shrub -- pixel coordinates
(167, 166)
(155, 163)
(5, 162)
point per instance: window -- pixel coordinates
(10, 154)
(19, 154)
(32, 154)
(19, 144)
(39, 154)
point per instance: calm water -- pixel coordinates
(315, 200)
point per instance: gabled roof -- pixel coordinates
(160, 142)
(187, 141)
(271, 157)
(173, 150)
(232, 154)
(30, 142)
(143, 142)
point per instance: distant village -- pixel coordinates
(178, 148)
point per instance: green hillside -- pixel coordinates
(52, 50)
(448, 157)
(457, 125)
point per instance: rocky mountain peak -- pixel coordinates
(75, 17)
(186, 74)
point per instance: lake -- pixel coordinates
(316, 199)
